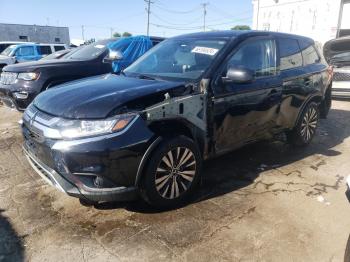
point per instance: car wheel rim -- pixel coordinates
(309, 124)
(175, 173)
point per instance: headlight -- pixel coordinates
(84, 128)
(28, 76)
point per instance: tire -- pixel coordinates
(87, 203)
(326, 104)
(172, 173)
(305, 130)
(347, 251)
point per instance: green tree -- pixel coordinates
(241, 27)
(126, 34)
(116, 34)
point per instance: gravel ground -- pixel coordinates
(265, 202)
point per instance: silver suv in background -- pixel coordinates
(337, 54)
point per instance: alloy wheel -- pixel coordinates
(175, 172)
(309, 124)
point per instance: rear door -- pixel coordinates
(247, 112)
(300, 70)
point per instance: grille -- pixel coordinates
(8, 78)
(341, 76)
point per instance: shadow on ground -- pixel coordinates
(240, 168)
(11, 246)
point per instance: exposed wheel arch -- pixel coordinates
(167, 129)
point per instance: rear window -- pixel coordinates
(310, 56)
(59, 47)
(290, 54)
(45, 50)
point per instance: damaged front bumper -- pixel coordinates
(94, 194)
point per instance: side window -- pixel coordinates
(310, 55)
(290, 54)
(59, 47)
(45, 49)
(25, 51)
(258, 56)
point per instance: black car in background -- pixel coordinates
(57, 55)
(21, 83)
(190, 98)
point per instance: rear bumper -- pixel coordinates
(96, 195)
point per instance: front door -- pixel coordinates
(245, 112)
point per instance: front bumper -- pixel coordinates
(32, 88)
(76, 166)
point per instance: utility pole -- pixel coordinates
(257, 16)
(112, 29)
(82, 32)
(204, 5)
(148, 9)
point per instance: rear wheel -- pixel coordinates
(305, 130)
(172, 173)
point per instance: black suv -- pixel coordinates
(21, 83)
(190, 98)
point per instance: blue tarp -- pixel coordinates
(132, 48)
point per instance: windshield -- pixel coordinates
(177, 59)
(8, 50)
(90, 51)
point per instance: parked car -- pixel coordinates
(190, 98)
(6, 44)
(57, 55)
(27, 52)
(337, 53)
(19, 84)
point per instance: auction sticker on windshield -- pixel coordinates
(205, 50)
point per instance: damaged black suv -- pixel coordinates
(192, 97)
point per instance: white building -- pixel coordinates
(321, 20)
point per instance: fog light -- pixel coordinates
(21, 95)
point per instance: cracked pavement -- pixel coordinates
(264, 202)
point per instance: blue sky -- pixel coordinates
(168, 17)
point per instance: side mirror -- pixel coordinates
(113, 56)
(238, 75)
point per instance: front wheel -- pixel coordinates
(172, 173)
(305, 130)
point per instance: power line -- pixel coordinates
(175, 11)
(176, 24)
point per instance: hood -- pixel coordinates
(337, 51)
(100, 96)
(4, 57)
(31, 66)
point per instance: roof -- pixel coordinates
(236, 33)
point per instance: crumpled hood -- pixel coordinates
(337, 51)
(96, 97)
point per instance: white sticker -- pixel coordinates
(99, 46)
(205, 50)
